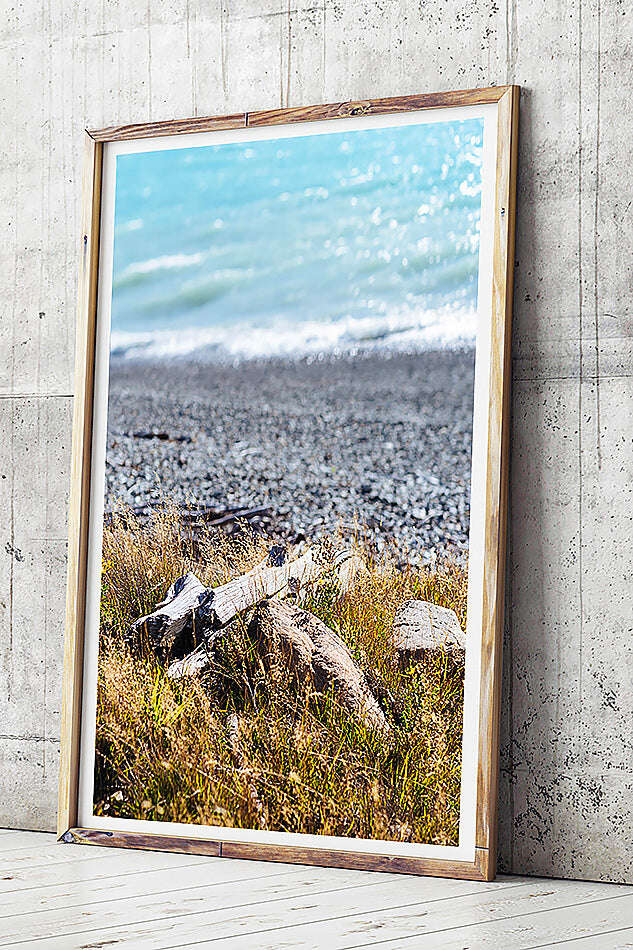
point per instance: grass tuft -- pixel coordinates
(307, 765)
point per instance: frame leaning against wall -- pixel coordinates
(480, 864)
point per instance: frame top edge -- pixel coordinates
(330, 110)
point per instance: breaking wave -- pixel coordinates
(403, 332)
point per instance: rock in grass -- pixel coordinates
(421, 629)
(316, 655)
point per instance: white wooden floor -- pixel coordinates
(62, 897)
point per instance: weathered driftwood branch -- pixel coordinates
(203, 514)
(421, 628)
(189, 604)
(194, 663)
(317, 656)
(186, 604)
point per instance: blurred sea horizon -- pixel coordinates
(296, 246)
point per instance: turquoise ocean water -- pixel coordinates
(299, 246)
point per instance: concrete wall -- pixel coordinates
(566, 802)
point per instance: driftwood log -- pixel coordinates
(191, 517)
(265, 581)
(192, 616)
(185, 606)
(193, 609)
(317, 656)
(186, 624)
(421, 629)
(192, 664)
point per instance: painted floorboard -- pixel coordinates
(457, 925)
(43, 857)
(165, 893)
(619, 939)
(136, 899)
(14, 840)
(601, 922)
(166, 881)
(398, 909)
(229, 910)
(106, 863)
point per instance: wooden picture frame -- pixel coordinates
(479, 863)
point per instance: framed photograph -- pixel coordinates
(289, 480)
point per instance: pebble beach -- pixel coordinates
(379, 441)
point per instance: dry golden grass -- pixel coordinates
(163, 748)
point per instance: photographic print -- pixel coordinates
(289, 466)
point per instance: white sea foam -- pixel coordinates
(166, 262)
(403, 331)
(134, 225)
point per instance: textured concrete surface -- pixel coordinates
(567, 772)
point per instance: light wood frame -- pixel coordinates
(482, 867)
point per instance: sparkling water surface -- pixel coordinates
(301, 245)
